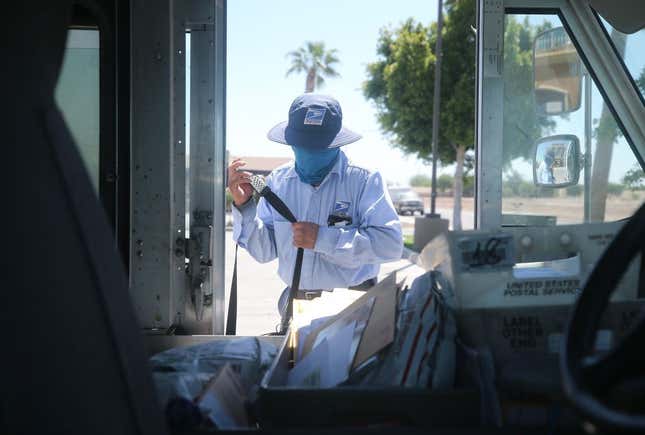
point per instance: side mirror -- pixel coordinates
(557, 73)
(556, 161)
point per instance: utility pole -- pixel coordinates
(435, 110)
(431, 225)
(587, 154)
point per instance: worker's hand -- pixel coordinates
(305, 234)
(238, 182)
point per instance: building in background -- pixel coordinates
(261, 165)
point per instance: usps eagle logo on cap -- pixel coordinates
(314, 116)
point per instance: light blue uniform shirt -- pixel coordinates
(343, 256)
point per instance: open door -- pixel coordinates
(178, 158)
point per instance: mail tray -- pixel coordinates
(279, 406)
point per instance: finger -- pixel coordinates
(237, 163)
(243, 187)
(241, 174)
(233, 183)
(234, 166)
(238, 178)
(245, 174)
(232, 170)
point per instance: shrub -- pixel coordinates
(420, 180)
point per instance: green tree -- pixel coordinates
(575, 190)
(522, 127)
(634, 179)
(615, 189)
(400, 84)
(420, 180)
(514, 182)
(515, 185)
(469, 186)
(640, 81)
(316, 61)
(445, 182)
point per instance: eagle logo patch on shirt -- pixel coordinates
(315, 116)
(341, 207)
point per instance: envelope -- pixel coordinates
(379, 331)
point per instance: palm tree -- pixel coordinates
(318, 63)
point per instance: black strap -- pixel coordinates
(279, 206)
(282, 208)
(231, 318)
(295, 283)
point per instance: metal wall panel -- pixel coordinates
(178, 165)
(202, 135)
(152, 259)
(490, 109)
(207, 163)
(219, 159)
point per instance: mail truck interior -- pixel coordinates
(105, 270)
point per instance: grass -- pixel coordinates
(408, 241)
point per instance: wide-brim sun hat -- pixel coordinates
(315, 122)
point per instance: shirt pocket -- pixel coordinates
(341, 214)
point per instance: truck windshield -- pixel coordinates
(548, 92)
(630, 48)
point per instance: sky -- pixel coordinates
(259, 94)
(259, 35)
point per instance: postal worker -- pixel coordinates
(347, 224)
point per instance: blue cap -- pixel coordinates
(315, 122)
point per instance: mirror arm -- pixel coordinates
(584, 159)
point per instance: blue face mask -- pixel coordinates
(312, 166)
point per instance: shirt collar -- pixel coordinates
(338, 168)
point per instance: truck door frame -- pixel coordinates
(160, 288)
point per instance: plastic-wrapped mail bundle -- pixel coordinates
(423, 351)
(185, 371)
